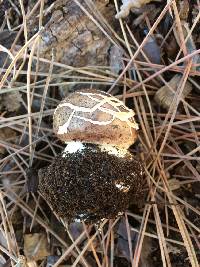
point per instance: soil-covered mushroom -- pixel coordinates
(96, 176)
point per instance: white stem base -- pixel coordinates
(75, 146)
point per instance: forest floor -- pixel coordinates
(145, 53)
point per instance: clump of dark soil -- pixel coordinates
(92, 185)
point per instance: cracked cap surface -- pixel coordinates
(93, 116)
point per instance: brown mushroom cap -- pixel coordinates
(93, 116)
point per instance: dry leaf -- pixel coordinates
(32, 180)
(190, 44)
(152, 50)
(164, 96)
(10, 102)
(6, 134)
(6, 40)
(174, 184)
(173, 249)
(116, 62)
(51, 260)
(76, 228)
(122, 244)
(128, 5)
(36, 246)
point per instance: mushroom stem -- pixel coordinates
(74, 146)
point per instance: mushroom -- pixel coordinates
(96, 176)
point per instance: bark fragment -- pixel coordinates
(75, 38)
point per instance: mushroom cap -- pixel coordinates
(93, 116)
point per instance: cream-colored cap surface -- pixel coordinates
(93, 116)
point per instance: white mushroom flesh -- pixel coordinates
(122, 187)
(73, 147)
(77, 146)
